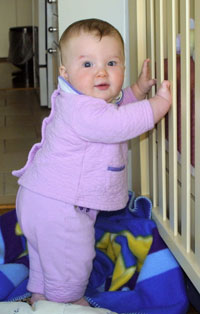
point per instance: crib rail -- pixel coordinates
(197, 128)
(174, 191)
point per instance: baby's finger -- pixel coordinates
(152, 82)
(145, 65)
(166, 84)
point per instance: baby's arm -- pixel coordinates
(144, 82)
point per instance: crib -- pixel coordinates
(169, 170)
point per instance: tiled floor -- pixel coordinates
(20, 122)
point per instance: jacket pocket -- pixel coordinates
(110, 168)
(116, 178)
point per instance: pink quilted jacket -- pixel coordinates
(82, 158)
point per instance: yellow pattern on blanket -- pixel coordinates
(137, 248)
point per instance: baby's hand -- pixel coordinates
(162, 101)
(164, 91)
(144, 82)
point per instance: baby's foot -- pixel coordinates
(161, 102)
(81, 301)
(36, 297)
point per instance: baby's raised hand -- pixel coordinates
(162, 101)
(144, 81)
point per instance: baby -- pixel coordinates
(80, 166)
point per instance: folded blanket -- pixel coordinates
(133, 271)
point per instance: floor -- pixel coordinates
(20, 123)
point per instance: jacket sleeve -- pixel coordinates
(128, 96)
(98, 121)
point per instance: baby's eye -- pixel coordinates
(87, 64)
(112, 63)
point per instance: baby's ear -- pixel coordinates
(63, 72)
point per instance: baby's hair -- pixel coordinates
(93, 26)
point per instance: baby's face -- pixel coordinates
(94, 67)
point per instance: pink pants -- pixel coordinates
(61, 245)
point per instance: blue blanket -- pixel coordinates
(133, 272)
(13, 259)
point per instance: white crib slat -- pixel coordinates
(185, 123)
(197, 128)
(144, 140)
(140, 29)
(172, 126)
(161, 125)
(152, 134)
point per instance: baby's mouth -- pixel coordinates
(102, 86)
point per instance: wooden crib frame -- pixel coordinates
(175, 193)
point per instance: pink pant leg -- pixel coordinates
(61, 237)
(36, 277)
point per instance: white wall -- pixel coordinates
(13, 13)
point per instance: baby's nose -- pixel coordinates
(102, 72)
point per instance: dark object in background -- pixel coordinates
(21, 52)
